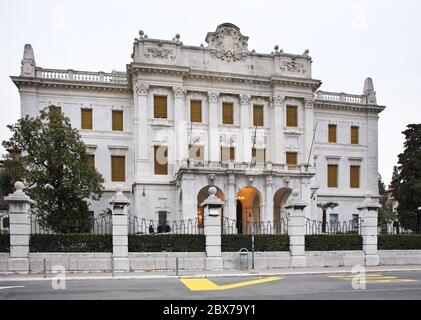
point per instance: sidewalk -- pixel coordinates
(200, 274)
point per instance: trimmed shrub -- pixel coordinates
(333, 242)
(234, 242)
(167, 243)
(399, 242)
(71, 243)
(4, 242)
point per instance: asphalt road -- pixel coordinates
(382, 285)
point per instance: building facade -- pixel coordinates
(184, 117)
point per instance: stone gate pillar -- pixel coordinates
(120, 231)
(296, 230)
(19, 228)
(368, 216)
(212, 220)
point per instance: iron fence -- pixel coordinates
(333, 227)
(4, 221)
(230, 226)
(396, 228)
(154, 227)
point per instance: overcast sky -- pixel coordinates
(348, 41)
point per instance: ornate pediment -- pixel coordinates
(227, 43)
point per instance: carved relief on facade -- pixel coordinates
(159, 52)
(228, 140)
(293, 66)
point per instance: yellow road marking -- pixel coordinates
(372, 278)
(207, 285)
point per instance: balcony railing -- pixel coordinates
(340, 97)
(85, 76)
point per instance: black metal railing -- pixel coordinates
(230, 226)
(4, 221)
(396, 228)
(333, 227)
(154, 227)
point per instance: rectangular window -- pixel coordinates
(292, 120)
(354, 135)
(258, 116)
(161, 160)
(227, 154)
(160, 107)
(355, 221)
(162, 223)
(91, 160)
(291, 158)
(86, 117)
(117, 120)
(196, 111)
(118, 168)
(332, 133)
(197, 153)
(332, 175)
(354, 176)
(227, 113)
(333, 218)
(258, 155)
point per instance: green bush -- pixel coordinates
(167, 242)
(4, 242)
(333, 242)
(71, 243)
(234, 242)
(399, 242)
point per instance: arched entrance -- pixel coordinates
(249, 211)
(202, 196)
(279, 201)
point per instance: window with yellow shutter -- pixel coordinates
(354, 135)
(196, 111)
(292, 120)
(258, 155)
(86, 117)
(227, 154)
(117, 120)
(258, 116)
(197, 153)
(161, 160)
(118, 168)
(291, 158)
(160, 107)
(227, 113)
(332, 133)
(354, 176)
(91, 160)
(332, 175)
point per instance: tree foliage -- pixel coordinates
(386, 214)
(407, 180)
(55, 167)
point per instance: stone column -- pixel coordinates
(308, 131)
(140, 122)
(180, 126)
(368, 216)
(120, 231)
(296, 230)
(231, 204)
(213, 126)
(19, 228)
(245, 138)
(269, 202)
(212, 215)
(277, 129)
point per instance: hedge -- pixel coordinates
(71, 243)
(235, 242)
(333, 242)
(4, 242)
(399, 242)
(167, 242)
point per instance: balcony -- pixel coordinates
(82, 76)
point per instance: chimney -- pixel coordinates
(28, 62)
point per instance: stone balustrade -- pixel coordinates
(85, 76)
(340, 97)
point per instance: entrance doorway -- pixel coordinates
(248, 212)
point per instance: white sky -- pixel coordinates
(348, 41)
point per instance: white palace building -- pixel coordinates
(184, 117)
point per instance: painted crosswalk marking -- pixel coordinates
(11, 287)
(207, 285)
(373, 278)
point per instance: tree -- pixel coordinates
(406, 183)
(56, 170)
(386, 214)
(325, 207)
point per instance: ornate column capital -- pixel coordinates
(213, 96)
(309, 103)
(278, 99)
(245, 99)
(179, 92)
(142, 89)
(269, 181)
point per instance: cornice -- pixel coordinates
(334, 105)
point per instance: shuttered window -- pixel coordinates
(258, 116)
(354, 176)
(227, 154)
(292, 120)
(160, 107)
(196, 111)
(354, 135)
(332, 175)
(118, 168)
(161, 160)
(117, 120)
(86, 117)
(332, 133)
(258, 155)
(227, 113)
(91, 160)
(291, 158)
(197, 153)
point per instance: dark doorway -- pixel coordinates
(239, 217)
